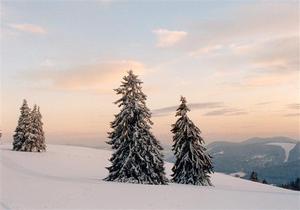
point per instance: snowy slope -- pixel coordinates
(68, 177)
(286, 146)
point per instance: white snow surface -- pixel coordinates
(286, 146)
(70, 177)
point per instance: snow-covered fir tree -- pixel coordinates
(29, 134)
(23, 129)
(41, 143)
(193, 165)
(137, 156)
(253, 176)
(37, 142)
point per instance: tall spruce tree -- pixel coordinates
(193, 165)
(137, 156)
(23, 130)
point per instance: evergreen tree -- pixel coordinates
(30, 143)
(293, 185)
(37, 142)
(138, 155)
(23, 129)
(253, 176)
(193, 165)
(41, 144)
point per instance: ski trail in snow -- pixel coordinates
(287, 147)
(8, 163)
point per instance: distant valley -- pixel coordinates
(275, 159)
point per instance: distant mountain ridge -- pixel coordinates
(270, 139)
(275, 159)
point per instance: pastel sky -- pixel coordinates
(236, 62)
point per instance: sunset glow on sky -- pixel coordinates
(236, 62)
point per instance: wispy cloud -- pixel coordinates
(194, 106)
(258, 42)
(99, 76)
(210, 49)
(294, 106)
(226, 112)
(218, 109)
(264, 103)
(280, 55)
(292, 115)
(294, 110)
(246, 23)
(268, 80)
(28, 28)
(260, 63)
(168, 38)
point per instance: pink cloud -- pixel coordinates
(29, 28)
(168, 38)
(100, 76)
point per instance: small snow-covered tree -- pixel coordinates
(193, 165)
(138, 155)
(29, 134)
(37, 142)
(23, 129)
(253, 176)
(41, 144)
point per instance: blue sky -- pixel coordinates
(67, 56)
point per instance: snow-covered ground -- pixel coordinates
(69, 177)
(286, 146)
